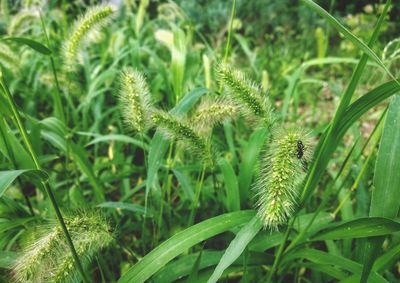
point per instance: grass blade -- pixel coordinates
(359, 228)
(182, 241)
(231, 186)
(236, 247)
(8, 177)
(384, 202)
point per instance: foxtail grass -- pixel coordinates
(85, 30)
(247, 94)
(283, 168)
(48, 258)
(135, 101)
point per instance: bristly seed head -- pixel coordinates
(135, 101)
(282, 171)
(211, 112)
(49, 259)
(182, 132)
(246, 93)
(85, 29)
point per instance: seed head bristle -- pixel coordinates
(135, 100)
(85, 30)
(211, 112)
(246, 93)
(283, 168)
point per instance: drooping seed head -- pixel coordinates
(8, 58)
(246, 93)
(213, 111)
(49, 259)
(85, 30)
(181, 131)
(22, 21)
(135, 100)
(282, 172)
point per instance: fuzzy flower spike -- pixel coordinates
(135, 101)
(283, 169)
(85, 30)
(213, 111)
(178, 129)
(247, 94)
(48, 258)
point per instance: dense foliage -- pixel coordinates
(197, 141)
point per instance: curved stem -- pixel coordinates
(279, 253)
(45, 184)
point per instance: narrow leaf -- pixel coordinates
(182, 241)
(37, 46)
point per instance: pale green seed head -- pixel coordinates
(135, 100)
(179, 130)
(84, 31)
(247, 94)
(49, 259)
(211, 112)
(283, 168)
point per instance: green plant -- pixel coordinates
(188, 125)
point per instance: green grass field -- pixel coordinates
(199, 141)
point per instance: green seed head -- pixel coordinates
(211, 112)
(134, 97)
(182, 132)
(246, 93)
(49, 259)
(283, 168)
(22, 21)
(85, 30)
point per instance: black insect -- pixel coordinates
(300, 152)
(300, 149)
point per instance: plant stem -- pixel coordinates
(58, 109)
(279, 253)
(199, 184)
(229, 39)
(44, 183)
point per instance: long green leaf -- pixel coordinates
(249, 158)
(231, 186)
(384, 201)
(8, 177)
(236, 247)
(359, 228)
(321, 257)
(182, 241)
(37, 46)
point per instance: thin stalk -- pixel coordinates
(279, 253)
(321, 160)
(199, 185)
(58, 108)
(45, 183)
(229, 39)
